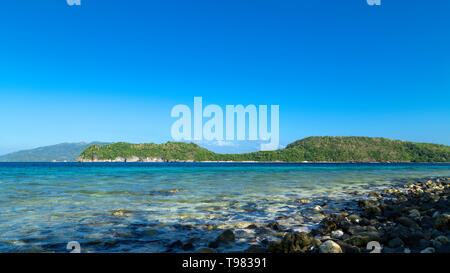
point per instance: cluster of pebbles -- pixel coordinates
(414, 218)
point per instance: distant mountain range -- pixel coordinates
(311, 149)
(59, 153)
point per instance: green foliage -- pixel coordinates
(315, 149)
(168, 151)
(366, 149)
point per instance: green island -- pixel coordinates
(311, 149)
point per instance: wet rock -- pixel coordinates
(357, 240)
(317, 208)
(424, 244)
(415, 239)
(320, 231)
(392, 212)
(427, 222)
(252, 226)
(226, 237)
(442, 221)
(436, 244)
(372, 211)
(275, 226)
(210, 227)
(435, 233)
(176, 244)
(354, 218)
(357, 229)
(330, 247)
(150, 232)
(240, 225)
(120, 212)
(299, 219)
(318, 216)
(205, 250)
(167, 191)
(194, 240)
(183, 227)
(373, 235)
(347, 248)
(406, 221)
(392, 250)
(274, 247)
(263, 231)
(398, 231)
(213, 244)
(337, 234)
(363, 203)
(188, 247)
(374, 194)
(411, 220)
(316, 242)
(397, 242)
(255, 249)
(331, 223)
(303, 239)
(442, 239)
(414, 213)
(293, 243)
(445, 248)
(428, 250)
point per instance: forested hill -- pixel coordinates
(312, 149)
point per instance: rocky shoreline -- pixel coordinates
(414, 218)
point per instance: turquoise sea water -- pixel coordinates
(144, 207)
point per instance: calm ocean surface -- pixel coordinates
(144, 207)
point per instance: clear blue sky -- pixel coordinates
(113, 70)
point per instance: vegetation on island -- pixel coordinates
(168, 151)
(312, 149)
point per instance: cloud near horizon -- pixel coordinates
(246, 146)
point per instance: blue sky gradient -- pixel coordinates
(113, 70)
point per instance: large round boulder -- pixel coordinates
(330, 247)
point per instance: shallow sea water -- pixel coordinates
(144, 207)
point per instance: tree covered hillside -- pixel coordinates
(330, 149)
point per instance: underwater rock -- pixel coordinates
(205, 250)
(275, 226)
(255, 249)
(226, 237)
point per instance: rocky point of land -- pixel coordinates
(414, 218)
